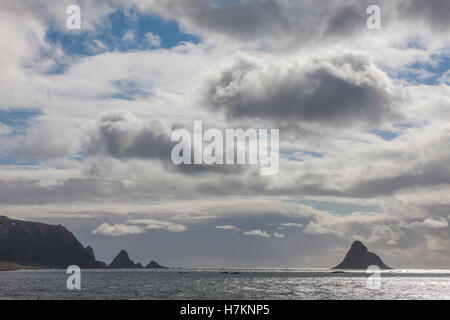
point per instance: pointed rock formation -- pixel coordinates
(42, 245)
(155, 265)
(90, 252)
(358, 257)
(123, 261)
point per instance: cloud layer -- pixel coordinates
(363, 118)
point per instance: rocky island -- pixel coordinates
(155, 265)
(359, 257)
(123, 261)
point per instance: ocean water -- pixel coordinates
(277, 284)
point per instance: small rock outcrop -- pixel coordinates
(358, 257)
(155, 265)
(42, 245)
(123, 261)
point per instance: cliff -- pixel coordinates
(42, 245)
(358, 257)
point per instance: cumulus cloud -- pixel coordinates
(117, 230)
(152, 40)
(128, 36)
(336, 91)
(258, 233)
(282, 24)
(121, 135)
(230, 228)
(151, 224)
(434, 223)
(308, 65)
(252, 232)
(278, 235)
(137, 226)
(317, 228)
(272, 22)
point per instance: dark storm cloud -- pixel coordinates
(245, 19)
(273, 20)
(121, 135)
(428, 175)
(70, 190)
(300, 22)
(435, 13)
(346, 21)
(335, 92)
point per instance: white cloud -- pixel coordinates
(291, 225)
(117, 230)
(229, 227)
(445, 77)
(152, 40)
(406, 177)
(434, 223)
(128, 36)
(258, 233)
(278, 235)
(316, 228)
(340, 90)
(150, 224)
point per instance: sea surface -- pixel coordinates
(284, 284)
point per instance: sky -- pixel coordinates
(363, 115)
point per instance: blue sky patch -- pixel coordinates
(385, 135)
(296, 155)
(122, 30)
(427, 73)
(128, 90)
(336, 207)
(18, 117)
(18, 120)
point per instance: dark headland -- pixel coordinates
(31, 245)
(359, 257)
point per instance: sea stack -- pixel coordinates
(358, 257)
(123, 261)
(155, 265)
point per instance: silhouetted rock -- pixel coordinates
(90, 252)
(123, 261)
(358, 257)
(155, 265)
(42, 245)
